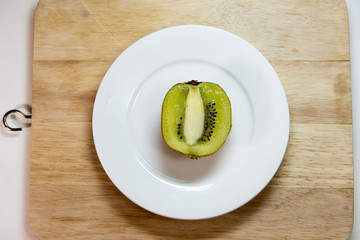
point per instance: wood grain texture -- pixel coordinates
(280, 29)
(311, 195)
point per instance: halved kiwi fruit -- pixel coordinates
(195, 118)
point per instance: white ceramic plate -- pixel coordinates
(126, 123)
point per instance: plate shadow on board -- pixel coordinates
(217, 227)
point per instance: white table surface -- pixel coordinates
(354, 25)
(16, 41)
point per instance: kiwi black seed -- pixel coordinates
(180, 128)
(209, 123)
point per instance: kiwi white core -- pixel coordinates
(194, 116)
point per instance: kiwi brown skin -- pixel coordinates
(191, 156)
(193, 82)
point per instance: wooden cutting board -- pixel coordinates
(307, 42)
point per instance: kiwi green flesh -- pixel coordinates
(216, 119)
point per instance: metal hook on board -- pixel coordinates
(6, 115)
